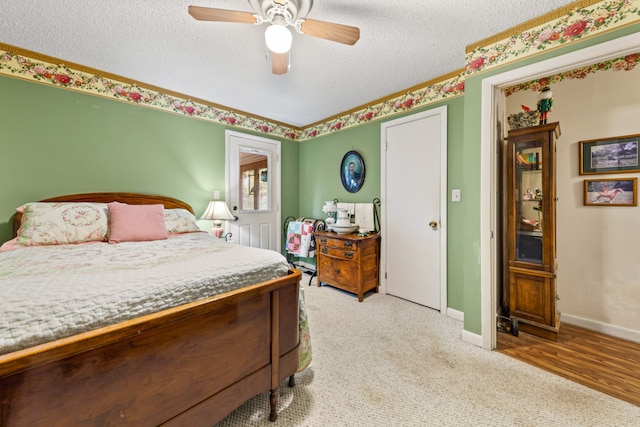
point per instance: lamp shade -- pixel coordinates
(278, 38)
(217, 211)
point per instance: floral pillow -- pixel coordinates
(180, 221)
(62, 223)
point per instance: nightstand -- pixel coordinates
(348, 261)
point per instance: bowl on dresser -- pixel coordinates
(344, 229)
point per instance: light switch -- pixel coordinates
(455, 195)
(216, 195)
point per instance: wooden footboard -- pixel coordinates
(186, 366)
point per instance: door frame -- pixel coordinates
(276, 169)
(442, 113)
(488, 140)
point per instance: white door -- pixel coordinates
(414, 207)
(253, 189)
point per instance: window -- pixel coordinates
(255, 180)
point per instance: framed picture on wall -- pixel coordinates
(611, 192)
(609, 155)
(352, 171)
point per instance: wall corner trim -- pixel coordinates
(455, 314)
(471, 338)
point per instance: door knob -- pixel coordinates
(433, 224)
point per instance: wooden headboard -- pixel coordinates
(129, 198)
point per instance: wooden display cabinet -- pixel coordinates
(531, 242)
(348, 261)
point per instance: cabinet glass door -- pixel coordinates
(528, 201)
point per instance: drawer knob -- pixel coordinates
(336, 271)
(348, 254)
(323, 240)
(324, 250)
(348, 244)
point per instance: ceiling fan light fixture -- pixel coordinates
(278, 38)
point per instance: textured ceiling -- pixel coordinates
(402, 44)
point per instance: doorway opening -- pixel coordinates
(490, 128)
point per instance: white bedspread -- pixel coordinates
(50, 292)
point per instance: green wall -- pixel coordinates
(320, 160)
(455, 211)
(291, 185)
(57, 141)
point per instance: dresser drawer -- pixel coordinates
(338, 272)
(338, 243)
(349, 254)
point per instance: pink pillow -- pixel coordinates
(136, 223)
(9, 246)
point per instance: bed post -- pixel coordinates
(275, 353)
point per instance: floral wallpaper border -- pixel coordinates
(626, 63)
(579, 23)
(65, 77)
(414, 99)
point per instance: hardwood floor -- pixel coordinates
(601, 362)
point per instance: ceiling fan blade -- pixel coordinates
(279, 62)
(221, 15)
(330, 31)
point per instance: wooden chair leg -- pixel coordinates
(292, 381)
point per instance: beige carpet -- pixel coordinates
(389, 362)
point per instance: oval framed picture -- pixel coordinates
(352, 171)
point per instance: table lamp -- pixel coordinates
(217, 211)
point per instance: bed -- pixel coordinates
(161, 363)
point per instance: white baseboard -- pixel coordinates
(471, 338)
(455, 314)
(605, 328)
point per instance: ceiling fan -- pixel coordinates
(280, 14)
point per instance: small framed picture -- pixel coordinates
(611, 192)
(352, 171)
(609, 155)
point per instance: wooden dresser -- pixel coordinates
(348, 262)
